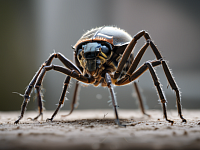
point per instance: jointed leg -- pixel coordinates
(40, 105)
(140, 71)
(66, 71)
(69, 65)
(30, 87)
(132, 66)
(70, 74)
(62, 98)
(174, 87)
(127, 53)
(114, 101)
(139, 98)
(73, 71)
(75, 98)
(170, 80)
(160, 92)
(136, 74)
(136, 61)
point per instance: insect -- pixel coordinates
(105, 56)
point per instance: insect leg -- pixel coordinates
(114, 100)
(134, 63)
(40, 107)
(136, 74)
(127, 53)
(62, 97)
(160, 92)
(30, 87)
(174, 87)
(140, 71)
(139, 98)
(131, 69)
(67, 63)
(27, 96)
(169, 78)
(71, 73)
(66, 71)
(75, 72)
(39, 98)
(75, 98)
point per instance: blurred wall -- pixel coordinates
(32, 30)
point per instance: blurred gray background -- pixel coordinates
(30, 30)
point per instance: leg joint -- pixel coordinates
(37, 86)
(30, 86)
(139, 35)
(47, 68)
(26, 96)
(55, 55)
(146, 36)
(156, 83)
(148, 64)
(163, 101)
(148, 41)
(72, 72)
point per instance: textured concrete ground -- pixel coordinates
(95, 129)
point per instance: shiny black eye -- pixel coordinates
(105, 49)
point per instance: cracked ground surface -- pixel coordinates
(95, 129)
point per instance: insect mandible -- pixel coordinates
(104, 56)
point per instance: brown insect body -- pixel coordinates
(107, 35)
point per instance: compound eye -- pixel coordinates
(105, 49)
